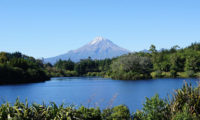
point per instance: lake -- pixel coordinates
(92, 91)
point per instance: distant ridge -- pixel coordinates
(99, 48)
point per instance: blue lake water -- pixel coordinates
(92, 91)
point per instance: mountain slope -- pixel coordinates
(99, 48)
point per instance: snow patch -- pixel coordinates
(97, 40)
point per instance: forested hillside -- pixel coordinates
(18, 68)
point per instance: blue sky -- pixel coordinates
(46, 28)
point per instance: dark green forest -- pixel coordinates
(18, 68)
(165, 63)
(184, 105)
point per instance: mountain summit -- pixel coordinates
(98, 40)
(99, 48)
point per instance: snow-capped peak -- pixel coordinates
(97, 40)
(99, 48)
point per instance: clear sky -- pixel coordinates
(46, 28)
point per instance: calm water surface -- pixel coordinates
(92, 92)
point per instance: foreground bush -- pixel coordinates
(22, 111)
(184, 105)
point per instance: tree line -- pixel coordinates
(173, 62)
(85, 67)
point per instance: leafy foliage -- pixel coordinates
(85, 67)
(154, 109)
(184, 105)
(21, 111)
(131, 67)
(18, 68)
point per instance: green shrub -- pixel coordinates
(197, 75)
(185, 114)
(173, 73)
(120, 112)
(190, 73)
(156, 109)
(166, 74)
(156, 74)
(186, 95)
(90, 113)
(182, 74)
